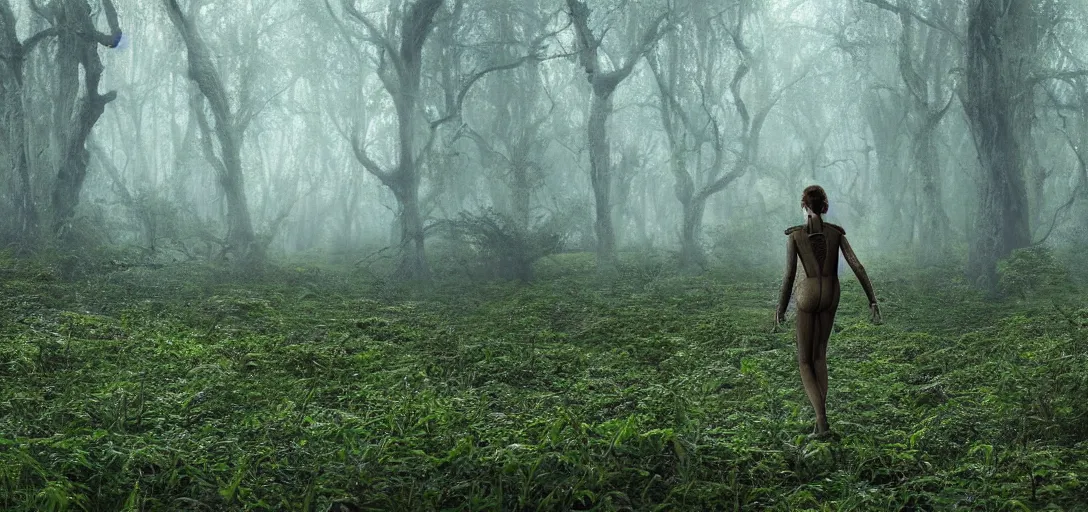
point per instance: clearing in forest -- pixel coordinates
(314, 389)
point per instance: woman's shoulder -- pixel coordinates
(790, 230)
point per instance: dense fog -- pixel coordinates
(417, 131)
(513, 255)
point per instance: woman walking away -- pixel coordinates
(817, 244)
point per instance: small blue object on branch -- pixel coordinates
(116, 40)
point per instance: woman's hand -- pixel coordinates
(874, 311)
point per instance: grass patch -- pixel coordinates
(188, 388)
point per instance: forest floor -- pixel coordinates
(187, 388)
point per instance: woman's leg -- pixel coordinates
(808, 328)
(819, 357)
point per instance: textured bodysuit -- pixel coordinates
(819, 254)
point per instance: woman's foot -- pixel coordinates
(821, 431)
(828, 436)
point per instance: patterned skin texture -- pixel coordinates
(817, 247)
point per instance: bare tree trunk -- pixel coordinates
(228, 130)
(1001, 37)
(641, 214)
(404, 182)
(691, 253)
(521, 191)
(513, 142)
(239, 222)
(600, 176)
(26, 211)
(693, 189)
(932, 217)
(74, 159)
(78, 42)
(629, 166)
(1037, 189)
(13, 55)
(883, 117)
(12, 102)
(401, 80)
(603, 84)
(413, 262)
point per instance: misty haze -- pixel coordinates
(612, 255)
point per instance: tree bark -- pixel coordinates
(603, 85)
(883, 117)
(77, 47)
(13, 55)
(1001, 37)
(931, 219)
(228, 131)
(600, 177)
(413, 263)
(692, 190)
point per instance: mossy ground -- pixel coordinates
(187, 388)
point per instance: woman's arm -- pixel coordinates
(787, 281)
(858, 269)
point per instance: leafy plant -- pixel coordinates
(187, 388)
(1029, 271)
(504, 249)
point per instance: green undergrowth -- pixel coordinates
(312, 388)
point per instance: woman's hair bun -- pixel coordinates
(815, 199)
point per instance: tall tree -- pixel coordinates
(399, 58)
(1002, 38)
(693, 115)
(603, 84)
(74, 117)
(509, 121)
(228, 130)
(13, 55)
(885, 113)
(923, 76)
(400, 72)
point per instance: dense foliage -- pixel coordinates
(495, 246)
(192, 388)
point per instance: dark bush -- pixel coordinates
(502, 249)
(1029, 271)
